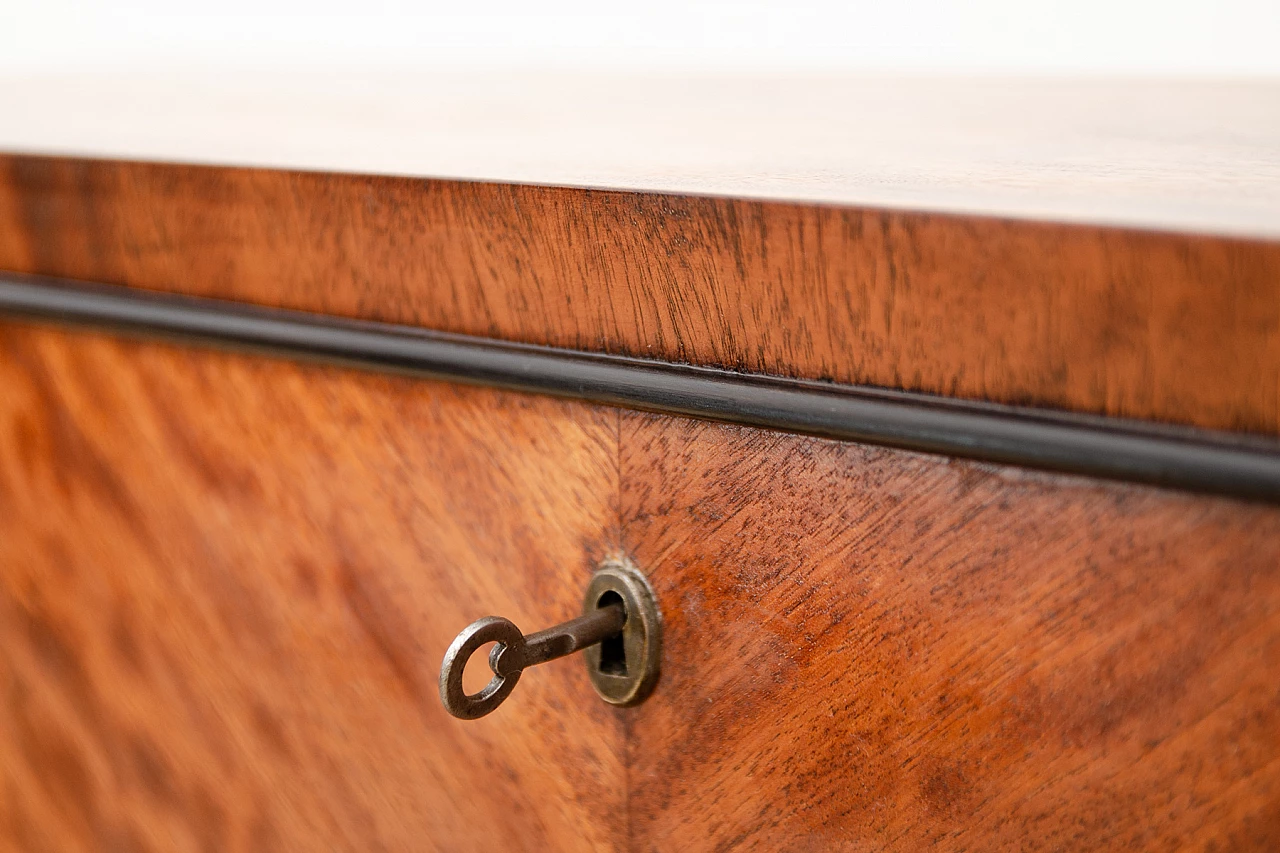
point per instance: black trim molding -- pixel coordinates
(1185, 458)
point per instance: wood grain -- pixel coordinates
(1166, 327)
(226, 585)
(870, 649)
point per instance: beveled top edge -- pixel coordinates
(1189, 156)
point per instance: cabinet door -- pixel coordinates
(226, 584)
(873, 649)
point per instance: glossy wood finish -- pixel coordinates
(1165, 327)
(870, 649)
(226, 585)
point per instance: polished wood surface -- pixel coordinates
(871, 649)
(1164, 327)
(226, 585)
(1199, 156)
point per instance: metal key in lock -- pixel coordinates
(620, 631)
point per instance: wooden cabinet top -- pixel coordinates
(1181, 155)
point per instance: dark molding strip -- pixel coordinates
(1118, 449)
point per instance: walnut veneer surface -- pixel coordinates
(878, 650)
(226, 583)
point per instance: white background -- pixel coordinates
(1159, 37)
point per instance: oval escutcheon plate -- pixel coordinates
(624, 668)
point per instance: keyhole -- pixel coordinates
(613, 654)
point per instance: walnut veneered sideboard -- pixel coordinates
(952, 468)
